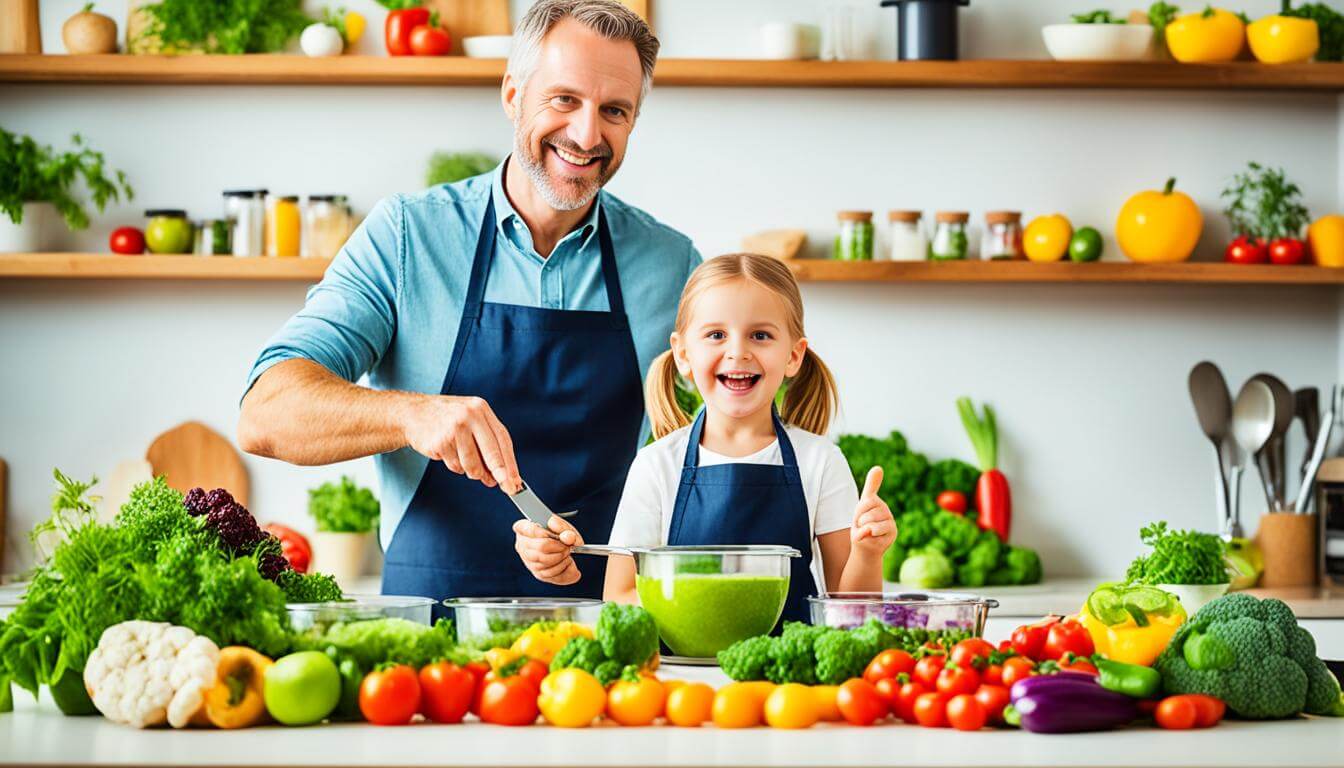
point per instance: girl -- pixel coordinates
(737, 474)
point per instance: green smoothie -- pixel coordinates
(700, 615)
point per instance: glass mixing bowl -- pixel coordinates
(484, 622)
(320, 616)
(909, 610)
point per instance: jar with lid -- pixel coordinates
(1003, 236)
(908, 242)
(245, 209)
(282, 225)
(949, 236)
(167, 231)
(326, 225)
(854, 241)
(213, 238)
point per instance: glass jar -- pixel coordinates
(282, 225)
(908, 242)
(1003, 236)
(949, 236)
(326, 225)
(167, 231)
(854, 242)
(246, 210)
(213, 238)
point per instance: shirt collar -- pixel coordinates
(505, 213)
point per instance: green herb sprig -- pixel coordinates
(1264, 204)
(1097, 17)
(35, 173)
(1179, 557)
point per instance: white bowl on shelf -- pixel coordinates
(1099, 42)
(487, 46)
(1195, 596)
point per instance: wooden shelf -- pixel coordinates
(823, 271)
(185, 267)
(278, 69)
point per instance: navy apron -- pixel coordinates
(748, 504)
(566, 385)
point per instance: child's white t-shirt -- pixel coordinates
(644, 516)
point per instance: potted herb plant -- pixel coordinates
(346, 516)
(35, 179)
(1191, 565)
(1267, 215)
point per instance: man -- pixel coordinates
(505, 323)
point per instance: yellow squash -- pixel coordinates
(1283, 39)
(1211, 35)
(1159, 226)
(1326, 236)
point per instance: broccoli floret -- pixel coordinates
(875, 636)
(1019, 566)
(609, 671)
(958, 533)
(980, 561)
(891, 562)
(579, 653)
(952, 475)
(627, 634)
(914, 529)
(747, 659)
(840, 656)
(791, 656)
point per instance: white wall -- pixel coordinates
(1089, 381)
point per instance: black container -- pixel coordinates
(926, 29)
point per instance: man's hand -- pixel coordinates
(465, 434)
(873, 530)
(547, 554)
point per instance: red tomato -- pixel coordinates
(993, 698)
(931, 710)
(992, 675)
(927, 669)
(430, 40)
(957, 680)
(859, 702)
(888, 664)
(972, 653)
(966, 713)
(390, 696)
(1176, 713)
(1209, 710)
(952, 501)
(1067, 636)
(1287, 251)
(1244, 250)
(905, 700)
(478, 670)
(1029, 639)
(1017, 668)
(1071, 663)
(509, 701)
(887, 688)
(293, 546)
(398, 28)
(446, 692)
(128, 241)
(535, 671)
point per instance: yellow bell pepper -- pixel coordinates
(498, 658)
(1211, 35)
(543, 640)
(1130, 643)
(571, 698)
(235, 700)
(1326, 236)
(1159, 226)
(1283, 39)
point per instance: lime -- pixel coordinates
(1085, 245)
(1147, 599)
(1106, 606)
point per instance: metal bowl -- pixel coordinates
(320, 616)
(480, 621)
(922, 610)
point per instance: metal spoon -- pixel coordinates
(1213, 408)
(1270, 460)
(1252, 422)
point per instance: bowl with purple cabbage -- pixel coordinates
(907, 610)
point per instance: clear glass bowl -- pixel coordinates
(909, 610)
(480, 621)
(320, 616)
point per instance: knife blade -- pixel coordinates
(533, 508)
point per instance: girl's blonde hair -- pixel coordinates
(811, 398)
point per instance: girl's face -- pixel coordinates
(737, 347)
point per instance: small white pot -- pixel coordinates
(27, 236)
(342, 555)
(1099, 42)
(1195, 596)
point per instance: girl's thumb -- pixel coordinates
(873, 482)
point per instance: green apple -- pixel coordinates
(302, 688)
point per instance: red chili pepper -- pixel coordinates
(993, 501)
(397, 30)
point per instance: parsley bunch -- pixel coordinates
(1179, 557)
(224, 26)
(36, 173)
(1264, 205)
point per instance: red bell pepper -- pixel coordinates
(993, 501)
(402, 19)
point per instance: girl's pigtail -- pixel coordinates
(660, 397)
(811, 398)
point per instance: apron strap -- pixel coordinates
(692, 459)
(480, 265)
(609, 274)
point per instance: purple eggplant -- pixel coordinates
(1070, 703)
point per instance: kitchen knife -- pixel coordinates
(534, 509)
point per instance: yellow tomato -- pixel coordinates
(1326, 236)
(1211, 35)
(738, 705)
(354, 27)
(1046, 238)
(791, 705)
(571, 698)
(635, 702)
(826, 707)
(690, 704)
(1159, 226)
(1283, 39)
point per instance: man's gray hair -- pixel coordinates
(608, 18)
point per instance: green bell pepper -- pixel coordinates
(1129, 679)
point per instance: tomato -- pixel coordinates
(293, 546)
(931, 710)
(1176, 713)
(972, 653)
(1287, 251)
(738, 705)
(792, 705)
(430, 40)
(534, 671)
(1071, 663)
(1047, 238)
(927, 669)
(1244, 250)
(1068, 636)
(398, 28)
(509, 700)
(957, 680)
(859, 703)
(128, 241)
(992, 675)
(390, 696)
(905, 700)
(826, 695)
(478, 670)
(888, 664)
(966, 713)
(573, 698)
(887, 689)
(1209, 710)
(952, 501)
(446, 692)
(636, 703)
(690, 705)
(1017, 668)
(993, 698)
(1029, 639)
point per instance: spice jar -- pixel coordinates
(213, 238)
(246, 210)
(282, 225)
(1003, 236)
(949, 236)
(854, 242)
(167, 231)
(326, 225)
(908, 242)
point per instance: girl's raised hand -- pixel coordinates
(874, 529)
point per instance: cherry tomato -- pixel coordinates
(1017, 668)
(535, 671)
(1209, 710)
(826, 695)
(690, 705)
(952, 501)
(972, 653)
(478, 670)
(1071, 663)
(906, 696)
(859, 702)
(966, 713)
(887, 688)
(1245, 250)
(446, 692)
(792, 706)
(430, 40)
(1067, 636)
(1176, 713)
(1029, 639)
(957, 680)
(992, 675)
(927, 669)
(738, 705)
(390, 696)
(127, 241)
(1287, 251)
(509, 701)
(888, 664)
(931, 710)
(993, 698)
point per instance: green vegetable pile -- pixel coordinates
(390, 640)
(625, 636)
(343, 507)
(1179, 557)
(809, 654)
(1251, 654)
(36, 173)
(448, 167)
(220, 26)
(935, 548)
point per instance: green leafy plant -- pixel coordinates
(1097, 17)
(35, 173)
(400, 5)
(1329, 23)
(1179, 557)
(343, 507)
(223, 26)
(1161, 14)
(448, 167)
(1264, 204)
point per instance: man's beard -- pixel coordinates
(571, 193)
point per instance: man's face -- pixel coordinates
(573, 116)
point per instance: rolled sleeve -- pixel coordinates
(348, 320)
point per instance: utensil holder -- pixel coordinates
(1288, 542)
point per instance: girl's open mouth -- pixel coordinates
(739, 382)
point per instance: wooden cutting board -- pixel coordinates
(469, 18)
(116, 488)
(193, 455)
(20, 27)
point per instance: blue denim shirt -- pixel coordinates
(390, 304)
